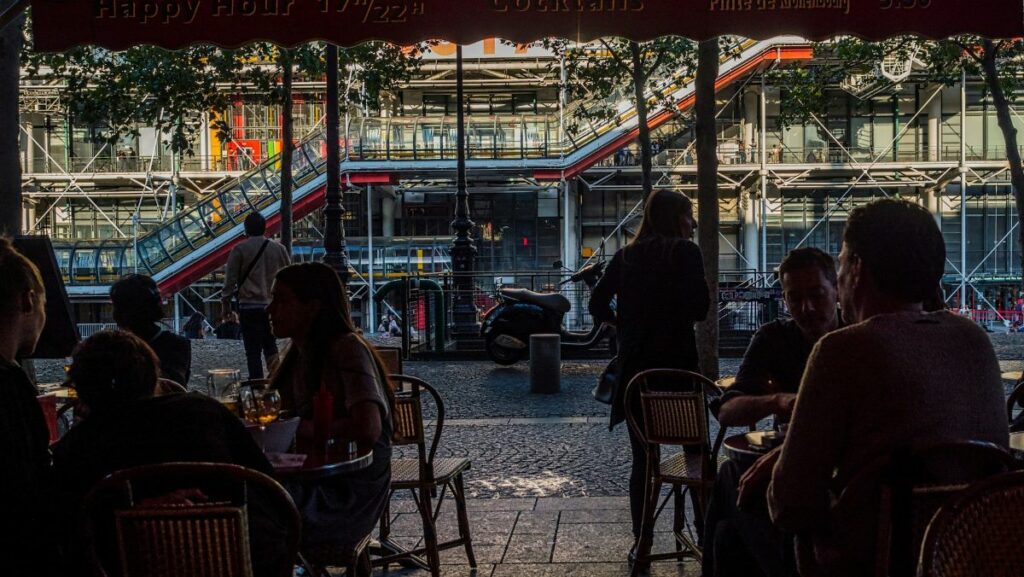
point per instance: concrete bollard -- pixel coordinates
(545, 364)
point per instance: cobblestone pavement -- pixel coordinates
(548, 480)
(523, 445)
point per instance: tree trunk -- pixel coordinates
(10, 151)
(639, 80)
(285, 61)
(1003, 115)
(707, 198)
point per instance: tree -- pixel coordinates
(707, 196)
(118, 92)
(999, 62)
(376, 68)
(603, 72)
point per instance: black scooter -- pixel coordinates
(520, 313)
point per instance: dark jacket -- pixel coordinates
(25, 478)
(174, 353)
(660, 289)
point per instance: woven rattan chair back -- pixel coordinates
(915, 484)
(409, 426)
(978, 532)
(675, 413)
(170, 541)
(138, 525)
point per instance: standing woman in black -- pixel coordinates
(658, 280)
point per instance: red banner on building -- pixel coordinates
(117, 24)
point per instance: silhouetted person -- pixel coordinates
(138, 309)
(248, 276)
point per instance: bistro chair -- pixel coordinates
(674, 413)
(166, 387)
(423, 476)
(915, 484)
(978, 532)
(392, 357)
(139, 523)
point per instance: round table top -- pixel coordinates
(725, 382)
(739, 447)
(1011, 375)
(321, 465)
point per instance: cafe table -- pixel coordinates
(741, 449)
(339, 459)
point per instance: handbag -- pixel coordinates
(604, 392)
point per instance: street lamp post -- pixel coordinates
(336, 253)
(463, 249)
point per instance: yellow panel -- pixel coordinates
(419, 259)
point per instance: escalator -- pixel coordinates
(197, 241)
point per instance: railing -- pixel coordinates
(134, 164)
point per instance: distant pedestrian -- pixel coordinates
(229, 328)
(193, 328)
(138, 309)
(248, 277)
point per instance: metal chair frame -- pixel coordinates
(409, 429)
(658, 429)
(157, 525)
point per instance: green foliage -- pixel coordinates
(118, 92)
(807, 89)
(601, 73)
(368, 71)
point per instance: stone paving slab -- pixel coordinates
(545, 536)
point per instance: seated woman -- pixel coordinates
(310, 307)
(114, 374)
(138, 310)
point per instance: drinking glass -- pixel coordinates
(222, 384)
(249, 405)
(269, 404)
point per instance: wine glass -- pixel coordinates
(248, 402)
(269, 405)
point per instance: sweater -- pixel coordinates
(894, 381)
(256, 288)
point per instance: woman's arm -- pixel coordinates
(364, 425)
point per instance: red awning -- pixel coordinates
(118, 24)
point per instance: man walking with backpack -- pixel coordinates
(248, 277)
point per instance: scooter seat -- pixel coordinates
(550, 301)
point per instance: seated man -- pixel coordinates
(25, 482)
(900, 377)
(770, 373)
(745, 542)
(114, 374)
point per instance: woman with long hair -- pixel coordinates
(138, 309)
(658, 281)
(309, 306)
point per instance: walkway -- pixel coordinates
(541, 537)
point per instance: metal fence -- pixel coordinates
(428, 306)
